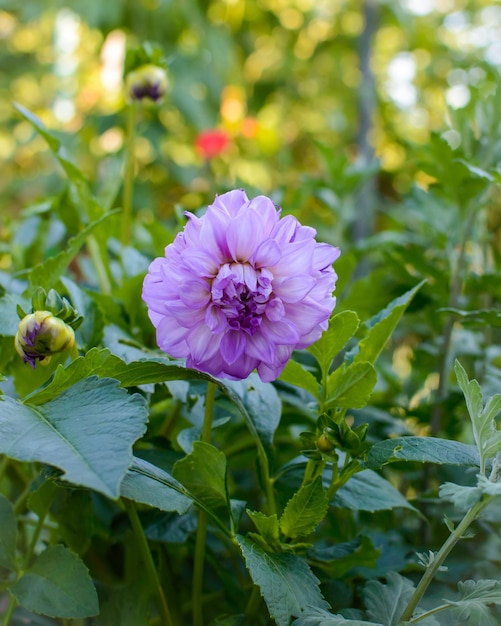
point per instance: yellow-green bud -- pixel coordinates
(40, 335)
(147, 81)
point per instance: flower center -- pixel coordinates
(242, 293)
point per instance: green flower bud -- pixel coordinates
(40, 335)
(147, 81)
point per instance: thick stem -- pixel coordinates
(145, 552)
(128, 184)
(440, 557)
(198, 568)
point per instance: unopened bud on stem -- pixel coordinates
(40, 335)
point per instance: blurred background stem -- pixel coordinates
(128, 181)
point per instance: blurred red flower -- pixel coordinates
(211, 143)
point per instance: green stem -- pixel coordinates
(128, 183)
(253, 605)
(100, 265)
(440, 557)
(34, 539)
(198, 567)
(10, 610)
(3, 466)
(144, 549)
(437, 609)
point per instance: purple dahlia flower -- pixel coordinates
(239, 289)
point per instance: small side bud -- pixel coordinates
(40, 335)
(146, 82)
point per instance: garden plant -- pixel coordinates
(250, 369)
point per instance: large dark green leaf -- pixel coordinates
(259, 403)
(151, 485)
(368, 491)
(305, 510)
(87, 432)
(422, 450)
(285, 580)
(203, 474)
(57, 584)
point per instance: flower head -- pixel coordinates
(241, 288)
(212, 143)
(146, 82)
(40, 335)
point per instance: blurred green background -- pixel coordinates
(322, 100)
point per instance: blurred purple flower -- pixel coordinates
(239, 289)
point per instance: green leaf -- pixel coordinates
(285, 580)
(381, 326)
(259, 403)
(295, 374)
(319, 617)
(47, 273)
(422, 450)
(336, 561)
(461, 496)
(9, 319)
(268, 527)
(75, 176)
(369, 491)
(203, 473)
(386, 603)
(474, 600)
(104, 364)
(342, 327)
(8, 534)
(126, 606)
(151, 485)
(351, 386)
(87, 432)
(58, 585)
(487, 317)
(305, 510)
(485, 432)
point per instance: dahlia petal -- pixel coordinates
(296, 259)
(195, 294)
(200, 262)
(231, 202)
(233, 346)
(215, 319)
(171, 338)
(202, 342)
(266, 212)
(240, 369)
(309, 313)
(324, 256)
(213, 234)
(244, 235)
(281, 332)
(294, 289)
(260, 348)
(284, 230)
(268, 253)
(275, 310)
